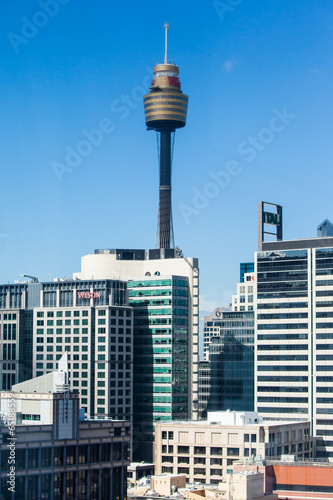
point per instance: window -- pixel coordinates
(233, 451)
(70, 455)
(215, 450)
(183, 449)
(199, 450)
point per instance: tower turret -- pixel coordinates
(165, 111)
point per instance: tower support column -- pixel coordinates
(164, 213)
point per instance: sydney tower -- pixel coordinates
(165, 111)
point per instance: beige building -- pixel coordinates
(167, 484)
(240, 486)
(205, 450)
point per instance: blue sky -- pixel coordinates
(259, 78)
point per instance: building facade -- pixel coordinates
(212, 328)
(16, 331)
(294, 334)
(58, 455)
(205, 451)
(164, 293)
(244, 299)
(89, 320)
(226, 381)
(292, 479)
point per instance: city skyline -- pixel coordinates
(259, 80)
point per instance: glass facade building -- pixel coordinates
(227, 380)
(245, 267)
(161, 353)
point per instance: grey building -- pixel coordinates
(58, 455)
(90, 320)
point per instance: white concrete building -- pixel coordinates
(294, 334)
(244, 298)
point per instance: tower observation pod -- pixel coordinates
(165, 111)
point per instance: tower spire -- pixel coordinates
(166, 27)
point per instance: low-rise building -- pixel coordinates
(47, 452)
(167, 484)
(291, 479)
(205, 450)
(137, 471)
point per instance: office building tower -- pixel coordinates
(57, 453)
(16, 331)
(165, 111)
(294, 332)
(212, 328)
(226, 381)
(164, 293)
(90, 320)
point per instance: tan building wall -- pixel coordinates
(163, 483)
(205, 452)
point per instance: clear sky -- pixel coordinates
(259, 78)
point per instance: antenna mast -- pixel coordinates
(166, 27)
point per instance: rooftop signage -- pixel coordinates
(89, 295)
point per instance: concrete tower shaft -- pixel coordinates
(165, 111)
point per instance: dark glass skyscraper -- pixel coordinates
(228, 378)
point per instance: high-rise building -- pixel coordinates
(226, 381)
(212, 328)
(90, 320)
(164, 292)
(16, 331)
(165, 111)
(294, 333)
